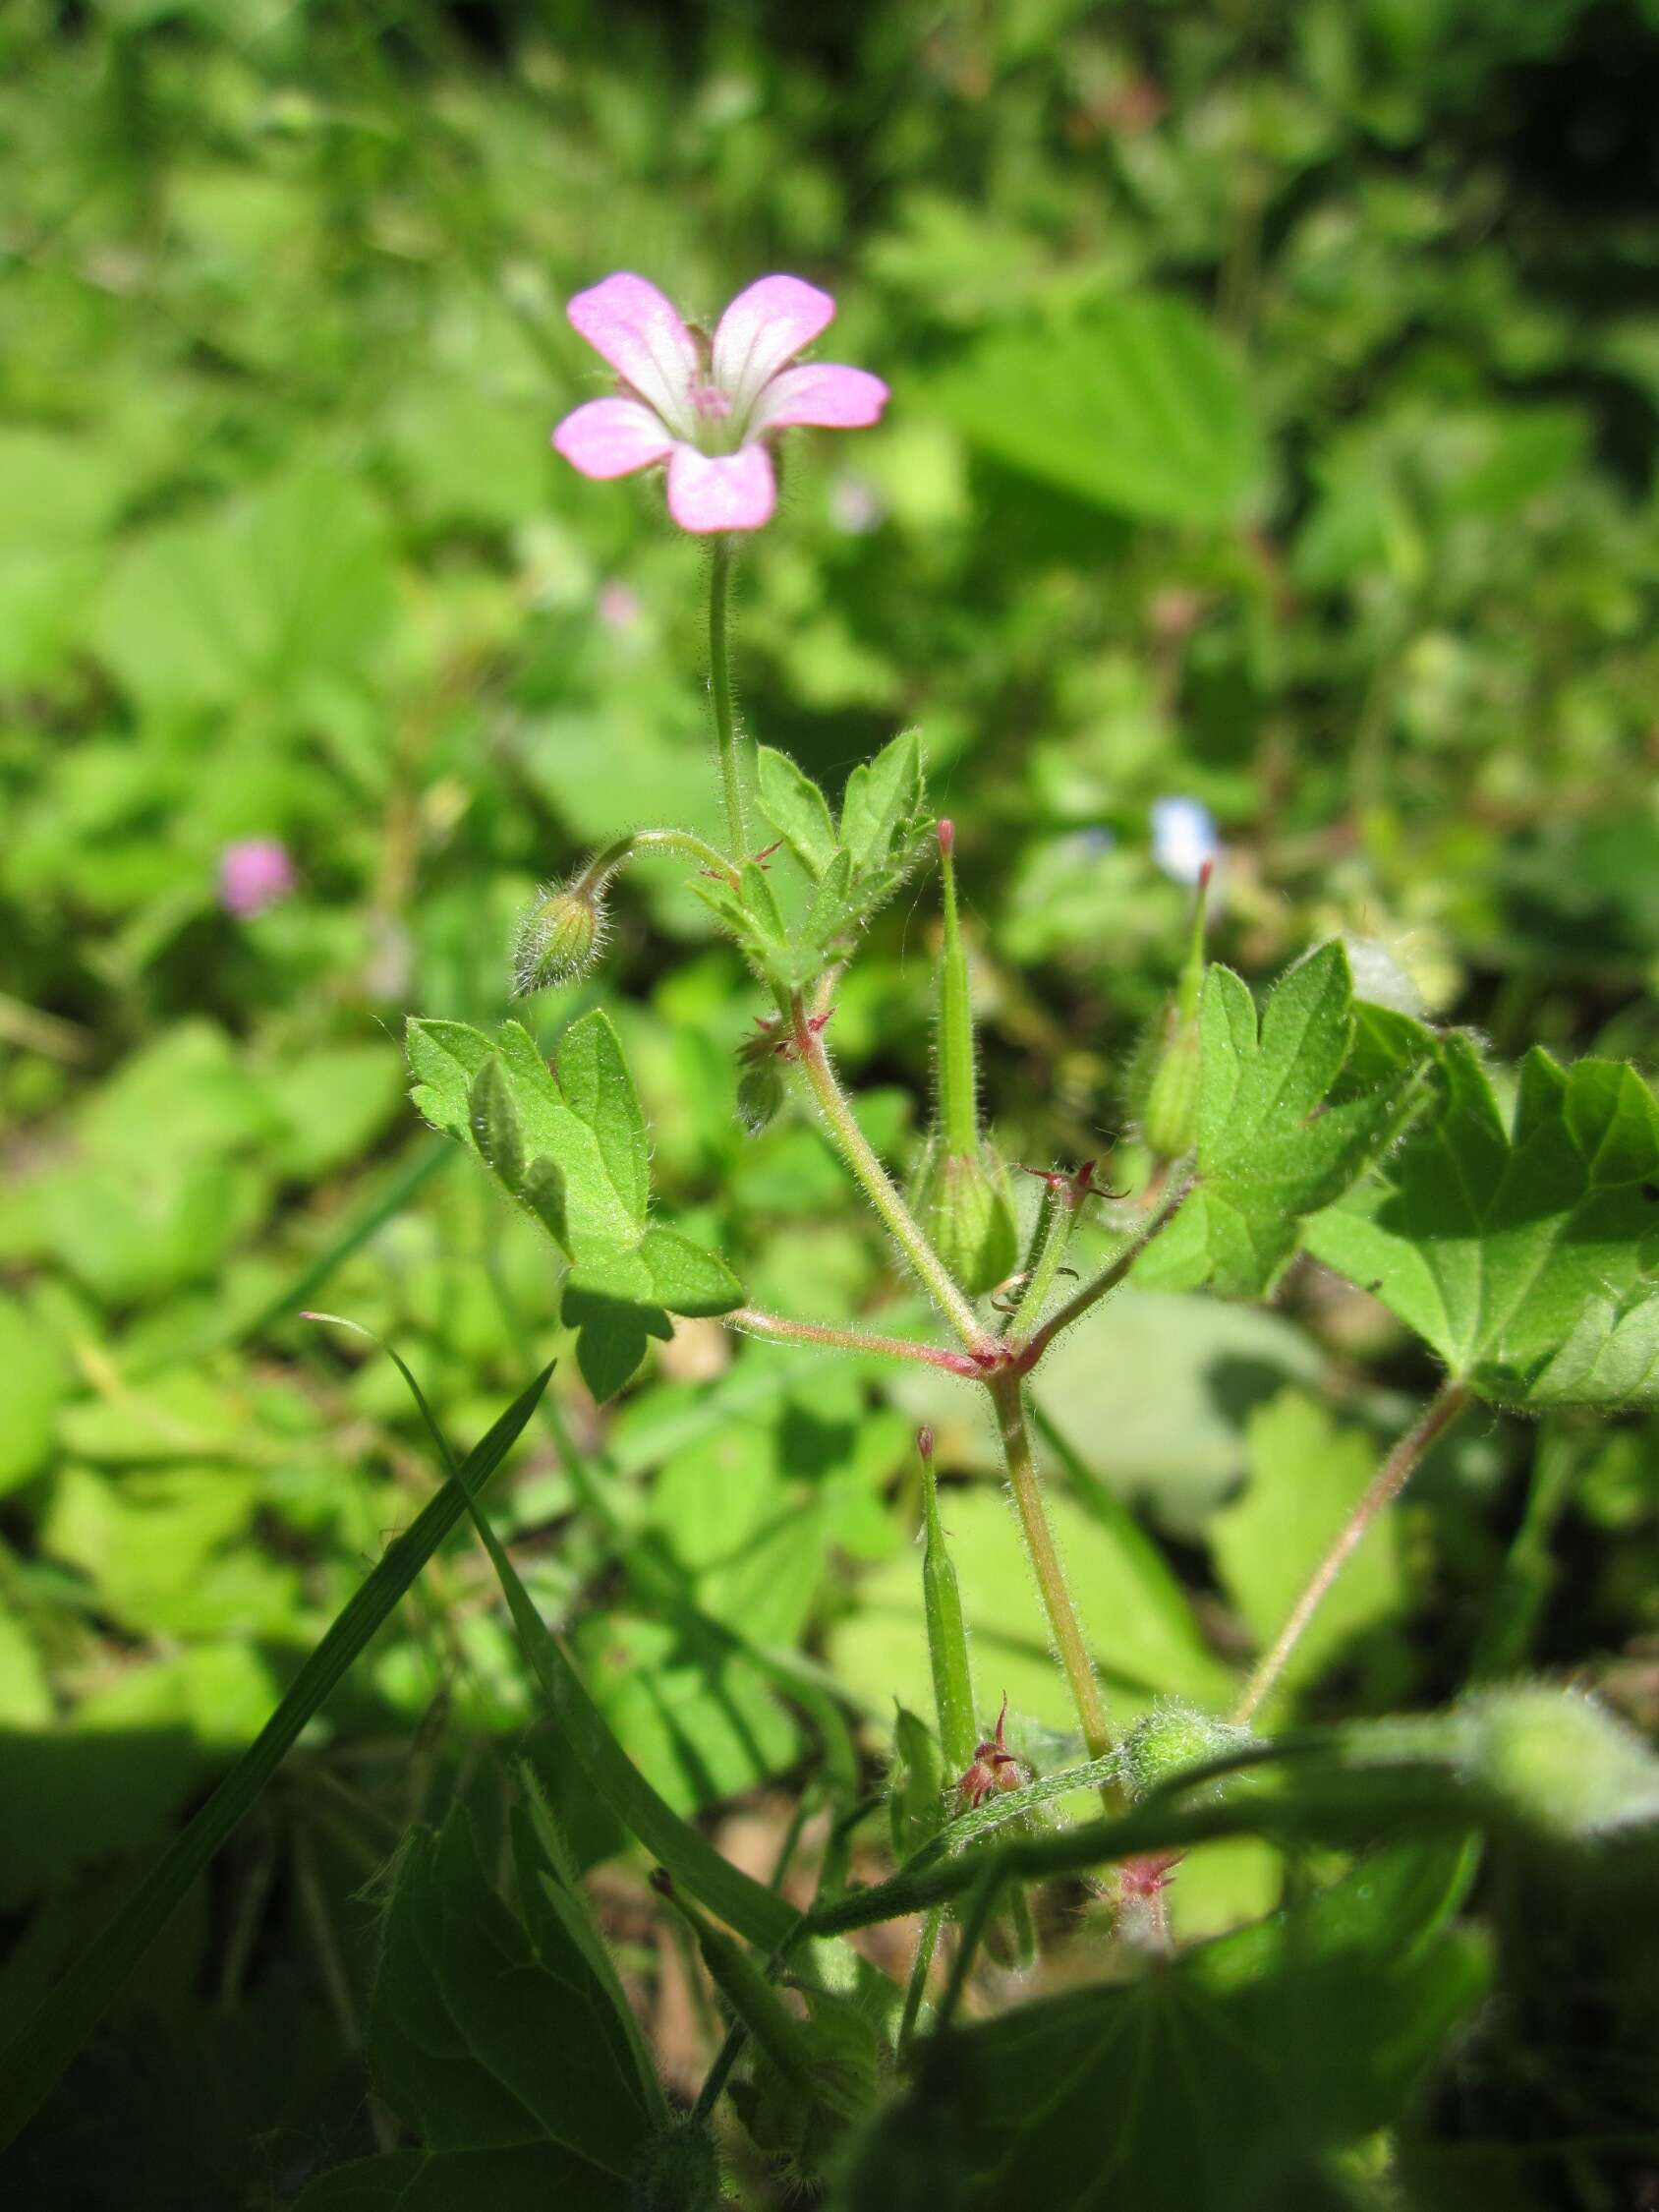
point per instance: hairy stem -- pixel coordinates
(1009, 1397)
(975, 1919)
(777, 1329)
(719, 688)
(878, 1187)
(1385, 1485)
(926, 1945)
(605, 862)
(1108, 1280)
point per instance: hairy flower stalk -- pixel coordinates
(562, 931)
(720, 692)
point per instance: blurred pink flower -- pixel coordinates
(253, 874)
(620, 608)
(705, 410)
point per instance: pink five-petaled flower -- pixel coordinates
(707, 410)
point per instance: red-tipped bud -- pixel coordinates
(947, 834)
(925, 1442)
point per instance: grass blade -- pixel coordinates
(68, 2016)
(742, 1903)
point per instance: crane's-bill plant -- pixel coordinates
(1514, 1227)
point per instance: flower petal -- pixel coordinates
(638, 332)
(821, 392)
(763, 328)
(611, 438)
(722, 491)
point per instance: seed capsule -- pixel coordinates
(967, 1211)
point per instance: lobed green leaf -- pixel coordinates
(1522, 1252)
(569, 1144)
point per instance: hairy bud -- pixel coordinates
(558, 936)
(1559, 1761)
(679, 2170)
(1173, 1739)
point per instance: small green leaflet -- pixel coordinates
(570, 1147)
(793, 932)
(1288, 1117)
(796, 809)
(1525, 1254)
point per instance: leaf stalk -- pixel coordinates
(1383, 1488)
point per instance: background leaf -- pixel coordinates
(1135, 405)
(1522, 1252)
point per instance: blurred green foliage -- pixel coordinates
(1275, 416)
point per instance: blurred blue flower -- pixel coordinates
(1184, 837)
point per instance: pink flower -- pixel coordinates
(620, 608)
(253, 874)
(709, 411)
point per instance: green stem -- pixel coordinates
(975, 1919)
(1061, 1207)
(927, 1943)
(1107, 1280)
(719, 688)
(878, 1187)
(1385, 1485)
(1009, 1397)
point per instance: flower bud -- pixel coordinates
(1170, 1740)
(968, 1213)
(1559, 1761)
(679, 2170)
(558, 935)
